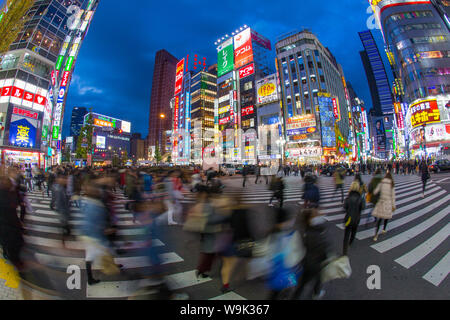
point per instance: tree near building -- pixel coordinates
(84, 143)
(158, 156)
(12, 20)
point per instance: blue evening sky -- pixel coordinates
(113, 74)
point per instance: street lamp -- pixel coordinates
(162, 116)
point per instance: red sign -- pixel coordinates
(65, 79)
(17, 92)
(26, 113)
(39, 100)
(224, 120)
(6, 91)
(247, 71)
(53, 78)
(179, 77)
(28, 96)
(336, 111)
(248, 110)
(175, 113)
(261, 40)
(243, 53)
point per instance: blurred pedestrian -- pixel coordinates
(425, 176)
(353, 205)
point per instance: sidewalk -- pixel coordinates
(9, 282)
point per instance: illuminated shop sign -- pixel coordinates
(103, 123)
(179, 77)
(22, 133)
(248, 110)
(424, 112)
(305, 121)
(175, 112)
(301, 131)
(267, 90)
(225, 60)
(243, 53)
(26, 113)
(247, 71)
(224, 120)
(224, 109)
(336, 110)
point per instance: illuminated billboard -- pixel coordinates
(267, 90)
(336, 110)
(179, 77)
(247, 71)
(301, 125)
(425, 112)
(225, 60)
(176, 109)
(101, 142)
(22, 131)
(243, 51)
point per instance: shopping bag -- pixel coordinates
(336, 269)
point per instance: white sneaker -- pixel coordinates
(375, 238)
(270, 205)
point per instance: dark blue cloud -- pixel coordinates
(114, 70)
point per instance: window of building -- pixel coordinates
(248, 85)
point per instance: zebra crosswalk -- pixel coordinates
(417, 235)
(43, 233)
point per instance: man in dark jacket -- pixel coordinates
(311, 193)
(277, 187)
(353, 206)
(244, 175)
(11, 234)
(62, 202)
(318, 248)
(425, 176)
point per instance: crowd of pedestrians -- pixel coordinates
(290, 251)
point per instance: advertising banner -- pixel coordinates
(101, 142)
(425, 112)
(327, 121)
(243, 53)
(267, 90)
(179, 77)
(225, 59)
(247, 71)
(297, 122)
(224, 120)
(248, 111)
(175, 113)
(433, 133)
(305, 152)
(380, 135)
(22, 131)
(336, 110)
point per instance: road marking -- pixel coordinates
(79, 245)
(439, 272)
(230, 296)
(397, 203)
(123, 289)
(414, 256)
(403, 237)
(399, 222)
(59, 231)
(74, 222)
(127, 262)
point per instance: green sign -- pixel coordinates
(59, 62)
(225, 60)
(1, 16)
(69, 64)
(55, 133)
(44, 132)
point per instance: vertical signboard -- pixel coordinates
(225, 59)
(336, 110)
(179, 77)
(243, 51)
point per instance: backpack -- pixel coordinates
(371, 197)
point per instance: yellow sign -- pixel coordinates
(224, 109)
(266, 90)
(23, 135)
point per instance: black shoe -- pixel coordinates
(225, 289)
(92, 282)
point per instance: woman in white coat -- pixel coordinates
(385, 207)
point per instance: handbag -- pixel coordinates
(336, 269)
(369, 198)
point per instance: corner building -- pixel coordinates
(313, 85)
(417, 33)
(39, 63)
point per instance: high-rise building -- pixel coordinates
(77, 120)
(380, 89)
(162, 93)
(243, 59)
(35, 76)
(313, 86)
(203, 95)
(417, 35)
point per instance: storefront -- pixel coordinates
(18, 157)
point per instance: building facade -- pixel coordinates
(162, 92)
(243, 59)
(417, 34)
(313, 85)
(40, 63)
